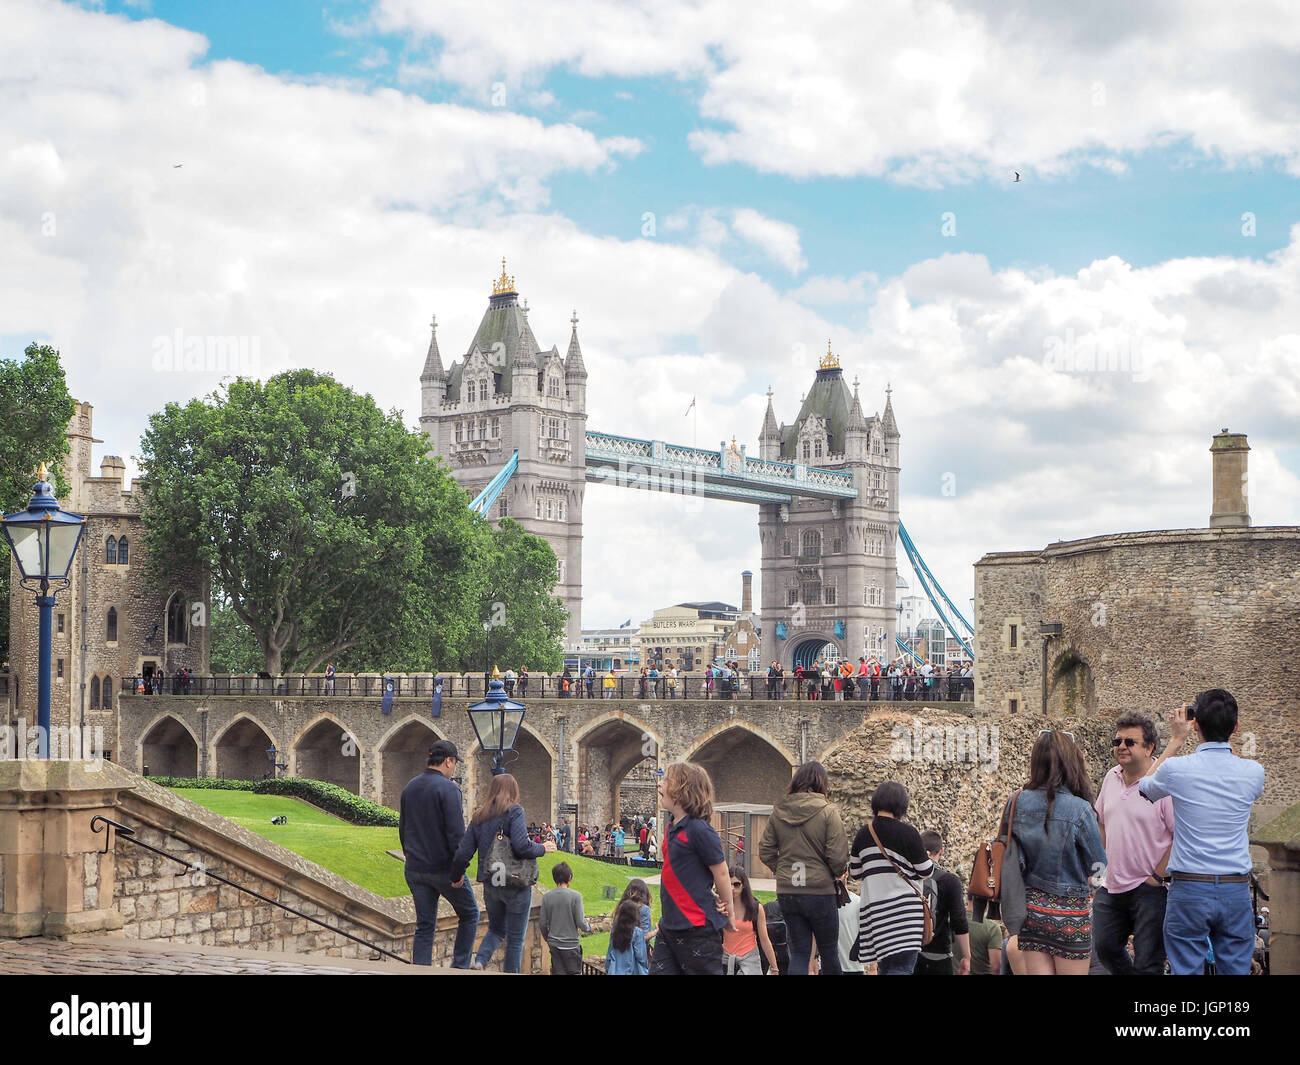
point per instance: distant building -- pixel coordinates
(742, 642)
(688, 635)
(608, 649)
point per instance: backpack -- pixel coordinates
(930, 893)
(776, 933)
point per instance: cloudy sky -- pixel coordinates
(717, 188)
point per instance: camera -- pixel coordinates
(1190, 708)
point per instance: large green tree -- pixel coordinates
(522, 621)
(321, 519)
(35, 409)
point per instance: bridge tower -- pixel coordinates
(507, 393)
(829, 566)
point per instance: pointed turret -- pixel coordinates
(433, 379)
(574, 368)
(887, 419)
(857, 440)
(857, 421)
(769, 437)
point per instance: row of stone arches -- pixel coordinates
(746, 763)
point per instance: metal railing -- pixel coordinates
(749, 687)
(100, 823)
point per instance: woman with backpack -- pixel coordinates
(498, 832)
(1055, 827)
(806, 846)
(743, 948)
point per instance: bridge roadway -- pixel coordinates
(569, 750)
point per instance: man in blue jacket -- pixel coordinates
(431, 827)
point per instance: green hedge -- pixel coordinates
(329, 797)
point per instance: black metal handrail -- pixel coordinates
(128, 833)
(750, 687)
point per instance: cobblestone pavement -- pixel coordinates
(102, 956)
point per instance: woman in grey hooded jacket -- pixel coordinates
(806, 846)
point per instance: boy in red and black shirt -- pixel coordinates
(693, 917)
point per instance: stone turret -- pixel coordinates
(575, 370)
(433, 380)
(857, 433)
(769, 437)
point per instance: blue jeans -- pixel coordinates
(900, 964)
(1140, 913)
(808, 917)
(425, 890)
(1203, 914)
(507, 919)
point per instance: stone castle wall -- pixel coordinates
(1151, 619)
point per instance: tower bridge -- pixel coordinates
(510, 418)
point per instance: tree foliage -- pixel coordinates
(322, 521)
(523, 622)
(35, 409)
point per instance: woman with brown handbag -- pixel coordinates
(891, 861)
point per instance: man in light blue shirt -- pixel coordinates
(1209, 866)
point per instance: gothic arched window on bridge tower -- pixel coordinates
(110, 551)
(553, 386)
(496, 428)
(811, 544)
(785, 548)
(817, 449)
(807, 450)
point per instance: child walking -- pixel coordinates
(562, 922)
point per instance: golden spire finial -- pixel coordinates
(504, 283)
(43, 474)
(829, 361)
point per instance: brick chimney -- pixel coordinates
(747, 592)
(1229, 452)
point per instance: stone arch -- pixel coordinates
(806, 648)
(168, 748)
(1071, 689)
(747, 763)
(326, 749)
(401, 754)
(534, 768)
(609, 748)
(239, 753)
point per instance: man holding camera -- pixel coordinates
(1209, 866)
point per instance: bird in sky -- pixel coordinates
(1017, 173)
(177, 166)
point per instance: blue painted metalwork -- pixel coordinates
(482, 502)
(930, 586)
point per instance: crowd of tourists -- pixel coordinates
(593, 841)
(1150, 875)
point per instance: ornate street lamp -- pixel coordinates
(43, 539)
(496, 722)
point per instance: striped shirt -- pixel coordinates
(892, 918)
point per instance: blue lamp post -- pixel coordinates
(43, 539)
(496, 722)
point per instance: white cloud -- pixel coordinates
(777, 240)
(922, 92)
(329, 222)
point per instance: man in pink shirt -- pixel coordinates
(1137, 835)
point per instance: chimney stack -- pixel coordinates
(1229, 452)
(746, 592)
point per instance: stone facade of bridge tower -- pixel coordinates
(506, 393)
(829, 567)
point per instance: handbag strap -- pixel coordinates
(915, 890)
(1011, 812)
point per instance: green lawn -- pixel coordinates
(359, 853)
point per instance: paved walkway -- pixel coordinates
(104, 956)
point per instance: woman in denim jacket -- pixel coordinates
(1060, 848)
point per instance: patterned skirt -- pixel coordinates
(1059, 925)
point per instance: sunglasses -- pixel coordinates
(1127, 741)
(1049, 731)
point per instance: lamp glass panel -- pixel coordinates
(26, 543)
(487, 726)
(514, 718)
(63, 545)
